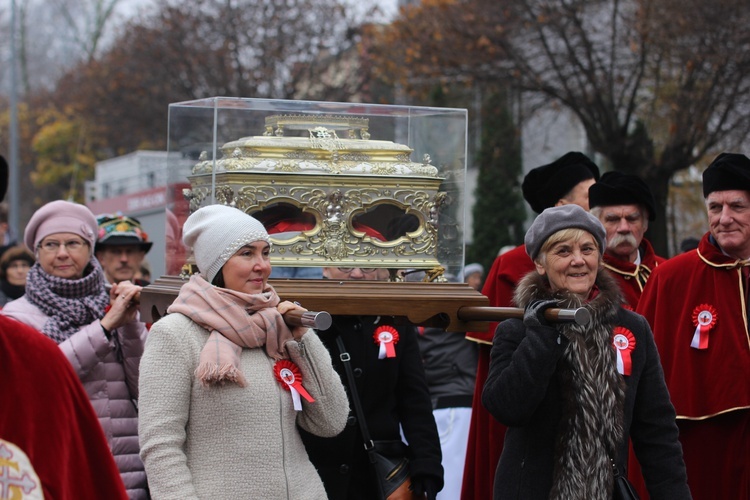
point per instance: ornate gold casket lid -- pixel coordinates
(319, 151)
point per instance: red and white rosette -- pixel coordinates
(624, 342)
(291, 379)
(387, 337)
(704, 319)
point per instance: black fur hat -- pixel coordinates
(544, 186)
(728, 172)
(616, 188)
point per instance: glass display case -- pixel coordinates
(335, 184)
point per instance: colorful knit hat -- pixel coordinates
(118, 229)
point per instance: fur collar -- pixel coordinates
(593, 392)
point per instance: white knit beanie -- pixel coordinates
(216, 232)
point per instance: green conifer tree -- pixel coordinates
(498, 210)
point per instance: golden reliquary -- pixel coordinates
(335, 184)
(329, 194)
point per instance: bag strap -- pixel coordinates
(346, 360)
(615, 468)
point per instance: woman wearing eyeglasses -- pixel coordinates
(98, 330)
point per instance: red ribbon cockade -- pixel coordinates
(624, 342)
(291, 378)
(704, 318)
(387, 337)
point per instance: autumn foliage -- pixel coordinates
(657, 86)
(117, 101)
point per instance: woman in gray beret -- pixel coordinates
(572, 395)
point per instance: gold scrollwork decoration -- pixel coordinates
(356, 198)
(383, 169)
(252, 195)
(331, 243)
(416, 199)
(195, 197)
(289, 166)
(224, 195)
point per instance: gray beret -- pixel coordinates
(556, 219)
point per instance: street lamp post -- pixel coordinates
(13, 212)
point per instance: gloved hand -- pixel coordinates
(425, 486)
(533, 316)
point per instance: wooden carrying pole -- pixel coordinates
(322, 320)
(580, 316)
(454, 307)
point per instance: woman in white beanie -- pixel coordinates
(99, 331)
(225, 382)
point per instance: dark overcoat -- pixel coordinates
(393, 392)
(524, 390)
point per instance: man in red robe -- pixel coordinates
(697, 304)
(564, 181)
(624, 204)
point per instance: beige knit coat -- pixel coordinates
(231, 441)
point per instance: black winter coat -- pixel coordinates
(393, 391)
(524, 391)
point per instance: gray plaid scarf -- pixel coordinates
(70, 304)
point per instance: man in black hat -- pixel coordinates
(624, 205)
(121, 246)
(697, 303)
(562, 182)
(51, 443)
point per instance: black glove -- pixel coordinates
(424, 485)
(534, 314)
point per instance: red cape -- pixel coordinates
(486, 435)
(702, 383)
(710, 388)
(47, 414)
(506, 272)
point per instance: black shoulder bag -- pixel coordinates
(388, 458)
(623, 490)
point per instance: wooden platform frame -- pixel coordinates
(442, 305)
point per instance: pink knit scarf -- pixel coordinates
(236, 320)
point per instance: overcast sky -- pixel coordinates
(128, 8)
